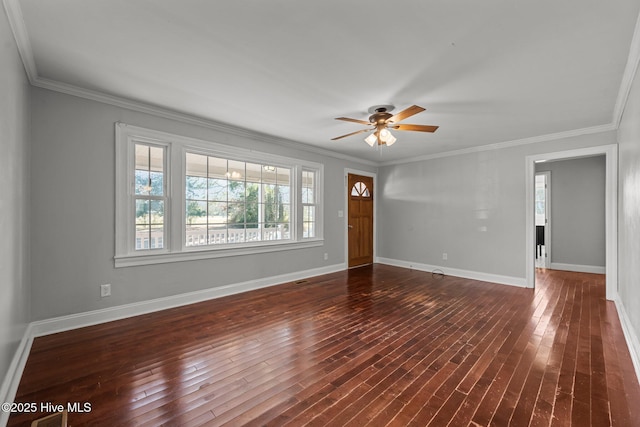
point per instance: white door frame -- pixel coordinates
(611, 210)
(373, 175)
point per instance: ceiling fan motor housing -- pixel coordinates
(380, 114)
(380, 118)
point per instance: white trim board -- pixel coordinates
(475, 275)
(11, 381)
(95, 317)
(506, 144)
(611, 209)
(10, 384)
(39, 328)
(630, 335)
(578, 268)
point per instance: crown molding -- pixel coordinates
(507, 144)
(166, 113)
(18, 27)
(627, 78)
(19, 30)
(25, 50)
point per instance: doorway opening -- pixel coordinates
(611, 210)
(542, 219)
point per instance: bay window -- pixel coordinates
(179, 198)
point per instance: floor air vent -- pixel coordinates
(54, 420)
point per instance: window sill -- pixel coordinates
(208, 253)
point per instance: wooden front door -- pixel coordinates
(360, 218)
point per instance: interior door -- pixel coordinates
(360, 216)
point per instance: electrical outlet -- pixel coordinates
(105, 290)
(444, 256)
(326, 256)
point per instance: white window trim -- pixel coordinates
(175, 249)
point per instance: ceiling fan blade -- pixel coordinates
(350, 134)
(417, 128)
(347, 119)
(408, 112)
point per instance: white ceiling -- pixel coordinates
(486, 71)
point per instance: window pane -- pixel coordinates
(286, 233)
(284, 176)
(142, 186)
(196, 235)
(270, 232)
(235, 214)
(218, 189)
(217, 234)
(308, 229)
(217, 212)
(268, 193)
(236, 191)
(156, 184)
(196, 212)
(308, 195)
(237, 200)
(252, 212)
(269, 174)
(217, 168)
(285, 193)
(235, 235)
(283, 213)
(253, 233)
(156, 158)
(360, 189)
(196, 165)
(157, 233)
(196, 188)
(236, 170)
(142, 157)
(254, 172)
(142, 237)
(270, 212)
(252, 192)
(157, 211)
(308, 213)
(142, 211)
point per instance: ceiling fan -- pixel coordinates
(382, 120)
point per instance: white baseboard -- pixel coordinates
(475, 275)
(630, 334)
(578, 268)
(89, 318)
(64, 323)
(14, 373)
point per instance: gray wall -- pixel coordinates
(629, 208)
(73, 221)
(577, 210)
(14, 197)
(471, 206)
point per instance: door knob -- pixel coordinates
(350, 226)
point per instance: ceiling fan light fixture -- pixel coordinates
(390, 140)
(384, 135)
(371, 139)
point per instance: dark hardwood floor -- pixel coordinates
(377, 345)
